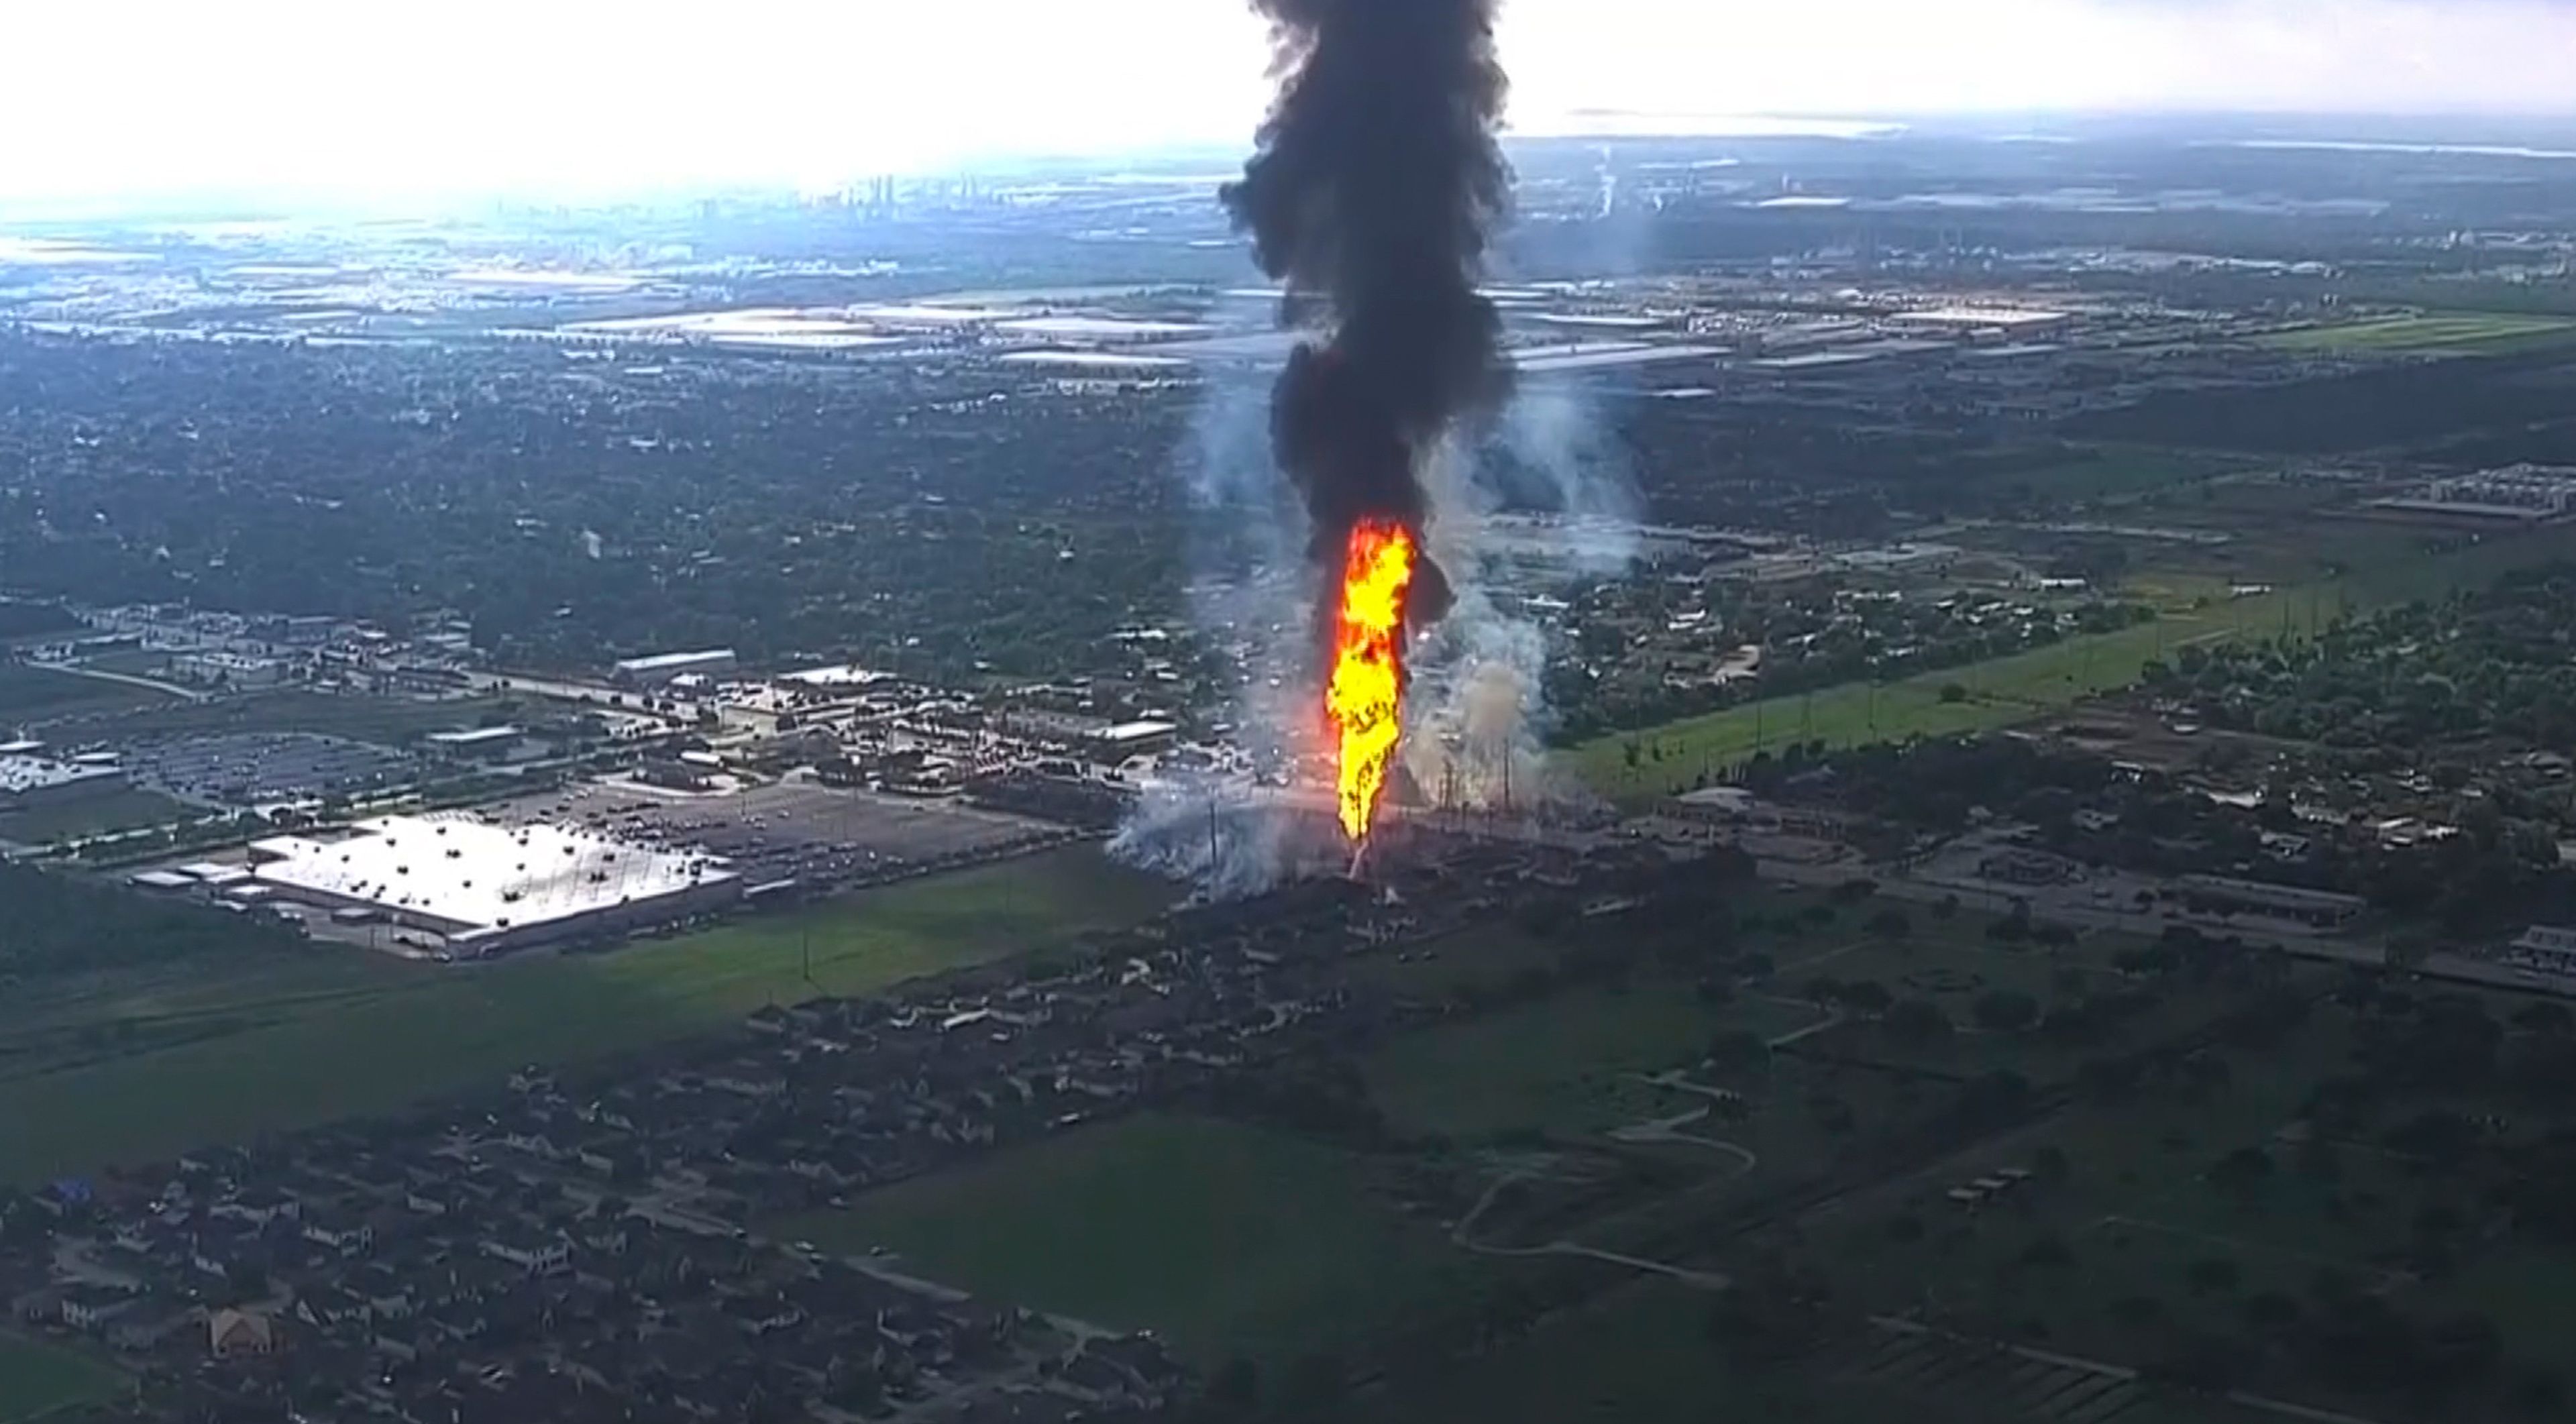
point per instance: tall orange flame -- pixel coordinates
(1365, 698)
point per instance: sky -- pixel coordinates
(373, 98)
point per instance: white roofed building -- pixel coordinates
(481, 889)
(43, 781)
(663, 668)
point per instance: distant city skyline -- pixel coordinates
(572, 98)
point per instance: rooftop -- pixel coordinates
(465, 876)
(659, 661)
(22, 774)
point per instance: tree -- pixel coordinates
(1915, 1022)
(2271, 1312)
(1738, 1051)
(1867, 997)
(2048, 1249)
(1946, 907)
(2006, 1011)
(1889, 923)
(1315, 1386)
(2137, 1311)
(2405, 952)
(2049, 1163)
(1236, 1385)
(2318, 1161)
(2212, 1275)
(2540, 1390)
(2546, 1016)
(2241, 1172)
(1954, 692)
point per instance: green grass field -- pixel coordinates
(1641, 1356)
(117, 811)
(2451, 332)
(31, 693)
(2117, 470)
(38, 1379)
(337, 1032)
(1563, 1064)
(388, 720)
(1484, 957)
(1229, 1240)
(2007, 691)
(1997, 693)
(2136, 1210)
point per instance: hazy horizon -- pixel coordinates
(152, 98)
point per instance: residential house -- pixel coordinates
(537, 1253)
(233, 1333)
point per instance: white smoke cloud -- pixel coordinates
(1477, 713)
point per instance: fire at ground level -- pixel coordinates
(1364, 690)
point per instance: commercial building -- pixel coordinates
(2549, 948)
(30, 780)
(479, 744)
(461, 886)
(659, 669)
(1127, 739)
(2524, 494)
(237, 670)
(2323, 909)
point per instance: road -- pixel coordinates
(1463, 1236)
(189, 694)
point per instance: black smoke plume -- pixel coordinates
(1377, 184)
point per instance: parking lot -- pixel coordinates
(801, 831)
(264, 768)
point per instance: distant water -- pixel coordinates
(2329, 145)
(1628, 123)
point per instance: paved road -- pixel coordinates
(189, 694)
(1463, 1236)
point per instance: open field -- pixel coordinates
(2154, 1246)
(1642, 1355)
(2455, 331)
(122, 810)
(1230, 1240)
(38, 1379)
(1482, 958)
(1564, 1064)
(1642, 766)
(29, 693)
(1953, 966)
(386, 720)
(337, 1032)
(1995, 693)
(2115, 471)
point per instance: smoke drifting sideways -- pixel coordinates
(1372, 196)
